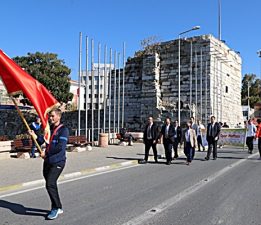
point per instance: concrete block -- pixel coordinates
(88, 148)
(23, 155)
(79, 149)
(4, 155)
(123, 143)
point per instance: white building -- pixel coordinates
(247, 112)
(94, 95)
(4, 99)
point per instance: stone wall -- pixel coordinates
(12, 125)
(210, 82)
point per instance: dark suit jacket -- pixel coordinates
(216, 131)
(179, 133)
(154, 133)
(171, 133)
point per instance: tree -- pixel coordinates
(50, 71)
(254, 90)
(149, 45)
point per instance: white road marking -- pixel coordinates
(141, 219)
(66, 181)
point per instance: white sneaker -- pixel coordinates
(54, 214)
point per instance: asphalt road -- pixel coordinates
(225, 191)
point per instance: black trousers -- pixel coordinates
(259, 145)
(212, 144)
(175, 147)
(168, 148)
(249, 143)
(148, 145)
(51, 174)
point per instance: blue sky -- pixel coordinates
(54, 25)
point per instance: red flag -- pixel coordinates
(17, 81)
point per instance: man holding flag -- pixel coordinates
(54, 161)
(17, 81)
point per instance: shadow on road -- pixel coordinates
(22, 210)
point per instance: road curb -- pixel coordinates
(71, 175)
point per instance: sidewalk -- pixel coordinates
(19, 171)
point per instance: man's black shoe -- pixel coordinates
(168, 163)
(214, 158)
(206, 158)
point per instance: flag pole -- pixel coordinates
(25, 122)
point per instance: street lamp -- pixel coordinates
(259, 55)
(193, 28)
(248, 101)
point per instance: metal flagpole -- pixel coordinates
(114, 94)
(92, 102)
(217, 84)
(206, 95)
(217, 92)
(214, 87)
(221, 93)
(99, 82)
(123, 86)
(119, 92)
(110, 95)
(105, 84)
(86, 90)
(79, 85)
(196, 83)
(201, 71)
(219, 20)
(190, 79)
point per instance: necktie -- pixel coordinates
(149, 132)
(166, 132)
(212, 131)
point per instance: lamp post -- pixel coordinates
(193, 28)
(259, 86)
(248, 101)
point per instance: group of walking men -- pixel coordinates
(172, 136)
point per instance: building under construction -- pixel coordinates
(210, 82)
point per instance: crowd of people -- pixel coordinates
(191, 138)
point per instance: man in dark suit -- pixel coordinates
(213, 131)
(177, 138)
(150, 137)
(168, 132)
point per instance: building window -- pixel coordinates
(245, 113)
(226, 90)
